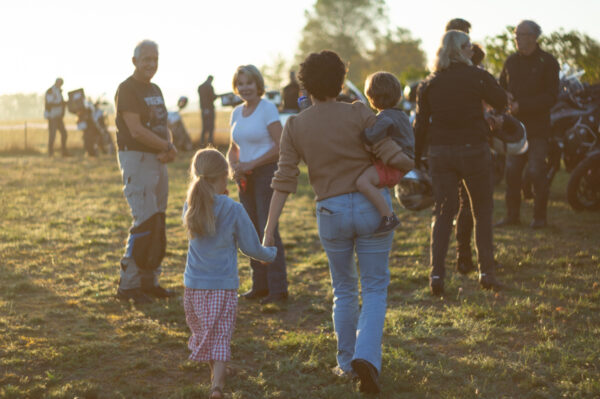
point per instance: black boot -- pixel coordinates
(436, 283)
(464, 262)
(489, 282)
(152, 290)
(135, 294)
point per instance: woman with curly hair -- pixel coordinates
(327, 137)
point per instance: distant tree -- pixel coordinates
(358, 31)
(575, 49)
(348, 27)
(397, 52)
(21, 106)
(497, 49)
(572, 48)
(276, 72)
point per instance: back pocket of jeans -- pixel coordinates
(329, 223)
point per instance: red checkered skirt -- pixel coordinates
(210, 315)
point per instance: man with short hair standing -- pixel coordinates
(531, 78)
(145, 147)
(54, 111)
(207, 110)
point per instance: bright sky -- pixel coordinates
(90, 44)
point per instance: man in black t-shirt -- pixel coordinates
(207, 110)
(145, 147)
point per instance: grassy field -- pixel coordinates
(31, 136)
(64, 335)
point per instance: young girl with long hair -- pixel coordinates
(217, 226)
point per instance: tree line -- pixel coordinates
(21, 106)
(358, 30)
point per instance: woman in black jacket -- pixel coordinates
(451, 123)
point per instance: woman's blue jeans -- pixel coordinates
(346, 223)
(256, 200)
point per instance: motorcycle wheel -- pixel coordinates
(583, 189)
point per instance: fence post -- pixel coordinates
(25, 136)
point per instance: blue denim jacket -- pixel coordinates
(212, 261)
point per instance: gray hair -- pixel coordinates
(450, 50)
(143, 43)
(535, 28)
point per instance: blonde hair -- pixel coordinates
(450, 50)
(208, 165)
(253, 73)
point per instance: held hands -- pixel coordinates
(495, 122)
(167, 156)
(240, 169)
(513, 105)
(268, 241)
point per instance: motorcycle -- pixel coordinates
(573, 121)
(583, 188)
(181, 137)
(91, 120)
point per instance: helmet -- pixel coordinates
(182, 102)
(414, 191)
(511, 138)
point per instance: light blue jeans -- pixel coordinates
(346, 224)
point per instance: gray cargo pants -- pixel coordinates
(146, 188)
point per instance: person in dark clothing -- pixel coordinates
(464, 217)
(291, 92)
(531, 78)
(207, 110)
(451, 122)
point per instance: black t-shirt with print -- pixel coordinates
(146, 100)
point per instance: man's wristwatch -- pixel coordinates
(170, 146)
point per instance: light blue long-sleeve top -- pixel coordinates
(212, 260)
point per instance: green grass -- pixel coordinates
(63, 224)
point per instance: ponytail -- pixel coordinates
(207, 167)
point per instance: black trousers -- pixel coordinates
(464, 222)
(208, 126)
(449, 165)
(535, 159)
